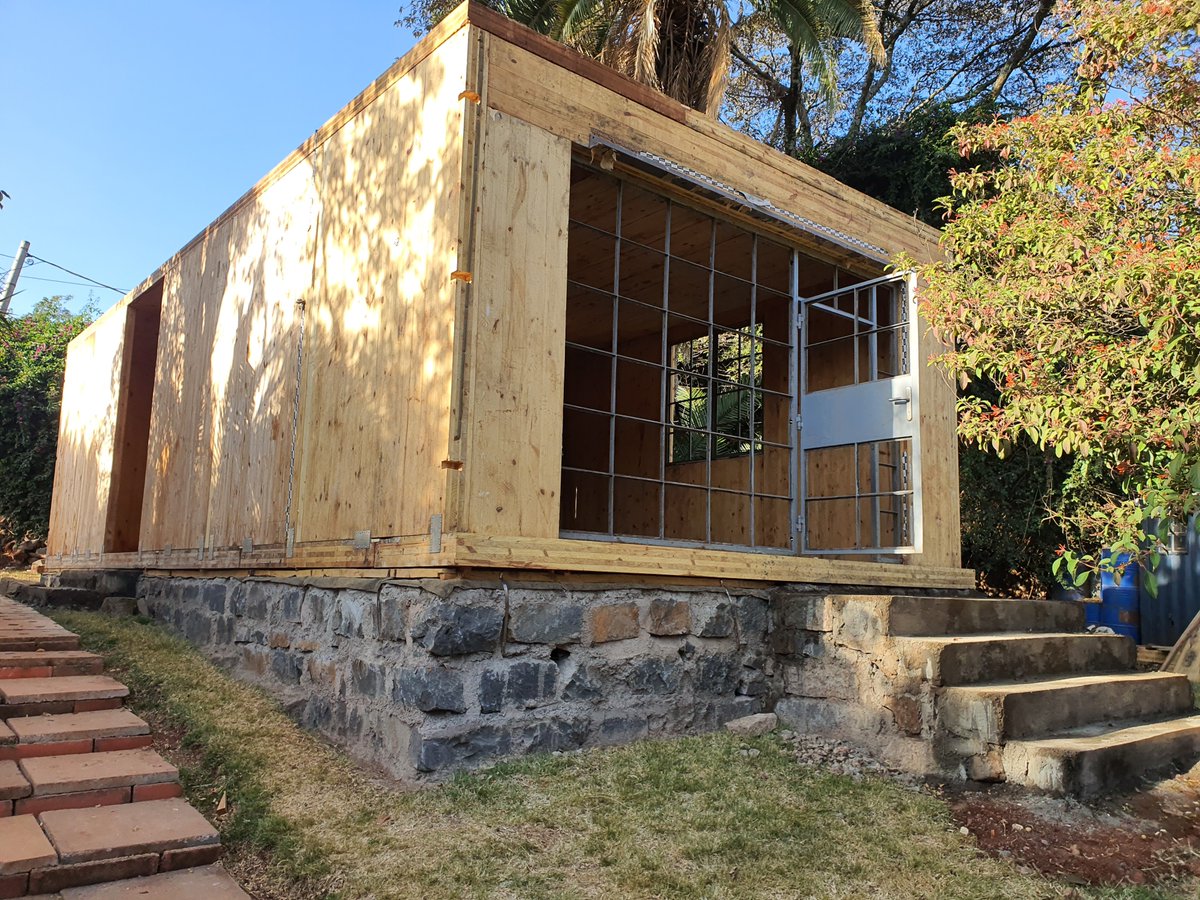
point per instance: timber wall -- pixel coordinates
(424, 231)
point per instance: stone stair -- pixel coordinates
(993, 690)
(87, 809)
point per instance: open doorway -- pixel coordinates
(131, 445)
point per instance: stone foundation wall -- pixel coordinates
(430, 677)
(842, 676)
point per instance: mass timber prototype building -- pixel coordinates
(508, 412)
(510, 310)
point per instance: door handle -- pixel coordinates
(906, 400)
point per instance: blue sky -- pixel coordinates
(130, 125)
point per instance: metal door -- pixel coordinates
(859, 435)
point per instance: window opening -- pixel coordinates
(679, 372)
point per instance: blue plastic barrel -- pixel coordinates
(1120, 605)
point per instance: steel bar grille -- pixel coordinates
(681, 350)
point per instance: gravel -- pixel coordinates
(843, 758)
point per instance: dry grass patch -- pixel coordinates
(682, 818)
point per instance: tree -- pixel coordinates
(684, 47)
(934, 60)
(1071, 279)
(33, 352)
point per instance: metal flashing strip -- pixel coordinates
(754, 203)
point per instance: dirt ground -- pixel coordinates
(1148, 836)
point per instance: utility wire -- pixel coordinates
(77, 275)
(53, 280)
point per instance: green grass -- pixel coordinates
(682, 818)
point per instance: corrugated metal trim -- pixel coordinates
(750, 201)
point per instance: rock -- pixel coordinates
(712, 618)
(119, 606)
(668, 616)
(449, 629)
(527, 684)
(533, 620)
(717, 674)
(429, 690)
(614, 622)
(988, 767)
(753, 726)
(655, 676)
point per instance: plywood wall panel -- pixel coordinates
(86, 436)
(513, 443)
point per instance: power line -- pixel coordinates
(77, 275)
(55, 280)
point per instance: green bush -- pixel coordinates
(33, 355)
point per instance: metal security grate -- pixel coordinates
(680, 374)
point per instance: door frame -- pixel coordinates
(902, 389)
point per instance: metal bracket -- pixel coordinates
(362, 540)
(290, 543)
(435, 533)
(247, 545)
(200, 546)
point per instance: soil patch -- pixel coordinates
(1132, 840)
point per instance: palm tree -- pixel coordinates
(684, 47)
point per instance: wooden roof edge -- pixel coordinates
(500, 26)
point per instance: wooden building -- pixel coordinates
(511, 310)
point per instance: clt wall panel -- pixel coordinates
(87, 436)
(513, 427)
(379, 337)
(220, 437)
(525, 84)
(335, 274)
(941, 527)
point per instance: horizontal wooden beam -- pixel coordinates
(461, 552)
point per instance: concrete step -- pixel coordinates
(37, 639)
(22, 629)
(201, 883)
(970, 659)
(926, 616)
(49, 663)
(988, 714)
(1090, 761)
(109, 843)
(59, 694)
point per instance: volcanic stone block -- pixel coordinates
(429, 690)
(453, 629)
(541, 620)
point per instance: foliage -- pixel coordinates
(1007, 538)
(933, 58)
(684, 48)
(33, 353)
(906, 163)
(1071, 279)
(719, 384)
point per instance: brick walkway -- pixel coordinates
(88, 811)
